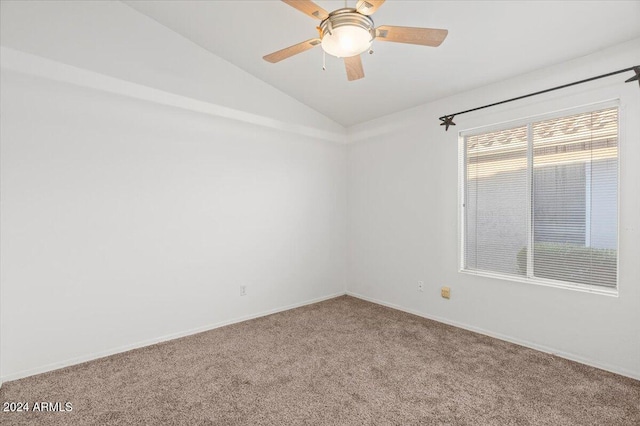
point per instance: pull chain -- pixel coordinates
(324, 68)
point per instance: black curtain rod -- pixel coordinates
(447, 120)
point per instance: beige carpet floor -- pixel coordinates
(340, 362)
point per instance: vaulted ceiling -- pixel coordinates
(488, 41)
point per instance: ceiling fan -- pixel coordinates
(346, 33)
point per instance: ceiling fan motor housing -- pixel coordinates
(346, 33)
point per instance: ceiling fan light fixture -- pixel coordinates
(346, 41)
(346, 33)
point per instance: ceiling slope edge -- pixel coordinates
(34, 65)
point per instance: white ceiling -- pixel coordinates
(488, 41)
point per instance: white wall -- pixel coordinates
(132, 213)
(403, 220)
(124, 221)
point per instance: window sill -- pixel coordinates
(544, 282)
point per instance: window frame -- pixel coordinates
(462, 180)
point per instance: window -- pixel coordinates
(540, 200)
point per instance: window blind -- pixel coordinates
(575, 198)
(540, 200)
(496, 201)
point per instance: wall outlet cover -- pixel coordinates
(445, 292)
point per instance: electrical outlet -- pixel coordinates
(445, 292)
(243, 290)
(420, 285)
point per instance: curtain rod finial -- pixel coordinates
(447, 121)
(636, 77)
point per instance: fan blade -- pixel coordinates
(354, 68)
(367, 7)
(308, 8)
(423, 36)
(291, 50)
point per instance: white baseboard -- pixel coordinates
(102, 354)
(148, 342)
(510, 339)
